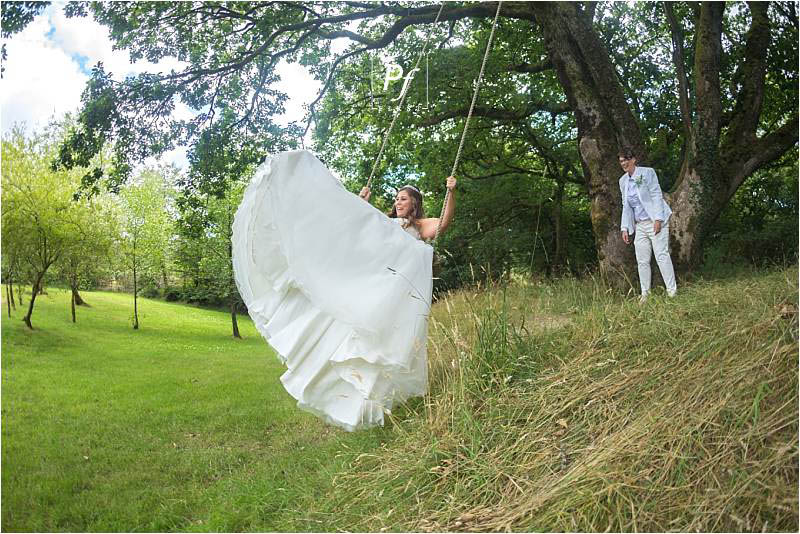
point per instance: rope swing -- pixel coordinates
(469, 116)
(402, 99)
(466, 123)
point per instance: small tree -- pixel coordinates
(146, 228)
(95, 228)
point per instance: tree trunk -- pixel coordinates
(233, 291)
(696, 196)
(19, 294)
(135, 291)
(35, 290)
(8, 299)
(233, 318)
(135, 302)
(76, 297)
(604, 123)
(72, 306)
(11, 294)
(558, 227)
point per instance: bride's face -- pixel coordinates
(403, 204)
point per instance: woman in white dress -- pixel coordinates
(339, 290)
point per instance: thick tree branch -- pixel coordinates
(589, 9)
(706, 69)
(532, 68)
(677, 58)
(750, 76)
(764, 151)
(496, 113)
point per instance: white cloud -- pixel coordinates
(44, 77)
(83, 36)
(40, 80)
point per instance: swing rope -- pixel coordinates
(402, 99)
(469, 116)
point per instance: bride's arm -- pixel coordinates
(428, 226)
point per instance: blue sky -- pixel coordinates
(49, 62)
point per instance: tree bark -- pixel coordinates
(8, 299)
(604, 123)
(558, 226)
(11, 294)
(135, 292)
(677, 58)
(76, 297)
(72, 306)
(35, 290)
(233, 290)
(233, 318)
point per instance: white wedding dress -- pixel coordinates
(338, 289)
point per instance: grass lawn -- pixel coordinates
(554, 405)
(176, 426)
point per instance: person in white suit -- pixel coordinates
(645, 214)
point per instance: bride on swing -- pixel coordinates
(339, 290)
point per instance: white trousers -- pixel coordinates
(646, 242)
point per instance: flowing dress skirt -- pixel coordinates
(339, 290)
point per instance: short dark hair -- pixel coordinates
(626, 152)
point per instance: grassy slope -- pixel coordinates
(559, 407)
(177, 426)
(552, 407)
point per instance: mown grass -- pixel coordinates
(561, 407)
(553, 406)
(176, 426)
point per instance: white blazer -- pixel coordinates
(650, 196)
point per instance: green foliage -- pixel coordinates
(518, 153)
(226, 81)
(523, 131)
(205, 228)
(44, 225)
(147, 228)
(761, 222)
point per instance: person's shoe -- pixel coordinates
(672, 295)
(643, 299)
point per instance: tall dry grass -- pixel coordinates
(565, 408)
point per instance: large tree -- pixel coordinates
(208, 196)
(733, 80)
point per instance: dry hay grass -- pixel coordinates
(679, 415)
